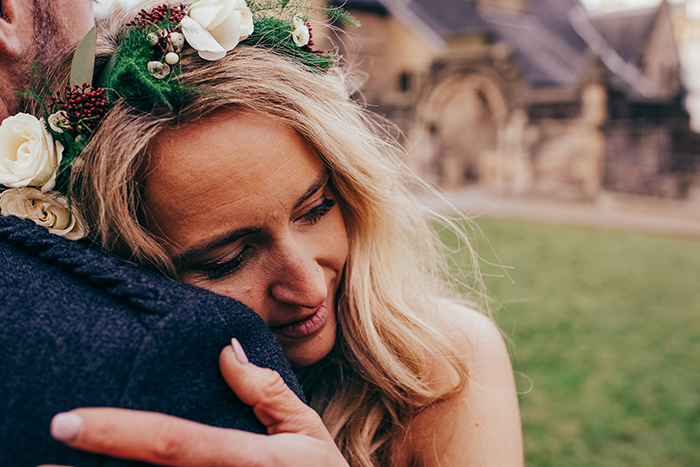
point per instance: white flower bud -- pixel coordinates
(153, 38)
(178, 41)
(301, 34)
(57, 121)
(158, 70)
(171, 58)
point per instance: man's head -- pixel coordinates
(36, 30)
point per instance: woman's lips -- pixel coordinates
(306, 326)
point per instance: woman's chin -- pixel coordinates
(308, 351)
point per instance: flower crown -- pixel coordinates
(36, 155)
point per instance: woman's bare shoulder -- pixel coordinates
(473, 333)
(482, 426)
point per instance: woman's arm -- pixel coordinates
(298, 436)
(482, 427)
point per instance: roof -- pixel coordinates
(626, 31)
(554, 14)
(545, 45)
(364, 5)
(444, 17)
(450, 17)
(552, 43)
(545, 58)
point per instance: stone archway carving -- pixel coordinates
(446, 90)
(458, 124)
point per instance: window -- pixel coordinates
(405, 79)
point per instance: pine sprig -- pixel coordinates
(288, 8)
(276, 34)
(257, 6)
(273, 28)
(337, 14)
(39, 88)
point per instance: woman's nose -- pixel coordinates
(299, 279)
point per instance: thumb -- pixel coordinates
(275, 405)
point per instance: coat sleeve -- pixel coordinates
(78, 329)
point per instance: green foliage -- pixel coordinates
(607, 327)
(266, 6)
(288, 8)
(272, 20)
(39, 89)
(276, 34)
(70, 153)
(40, 92)
(340, 15)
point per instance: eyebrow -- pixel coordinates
(320, 183)
(191, 255)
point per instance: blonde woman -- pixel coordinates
(271, 186)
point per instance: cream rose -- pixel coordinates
(47, 209)
(213, 27)
(28, 154)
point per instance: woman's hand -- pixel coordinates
(298, 436)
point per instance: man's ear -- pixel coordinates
(10, 44)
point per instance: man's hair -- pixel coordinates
(49, 46)
(50, 29)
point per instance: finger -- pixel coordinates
(154, 437)
(275, 405)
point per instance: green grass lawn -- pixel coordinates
(607, 326)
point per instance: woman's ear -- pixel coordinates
(10, 43)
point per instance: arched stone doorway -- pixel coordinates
(462, 117)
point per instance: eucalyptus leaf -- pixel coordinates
(83, 65)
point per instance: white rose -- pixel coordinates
(47, 209)
(301, 35)
(213, 27)
(28, 154)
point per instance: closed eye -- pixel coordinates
(228, 265)
(315, 214)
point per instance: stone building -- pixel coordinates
(529, 96)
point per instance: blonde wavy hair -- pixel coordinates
(380, 373)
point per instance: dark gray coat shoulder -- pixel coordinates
(79, 329)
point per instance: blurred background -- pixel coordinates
(567, 130)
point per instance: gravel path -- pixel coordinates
(610, 211)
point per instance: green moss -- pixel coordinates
(131, 80)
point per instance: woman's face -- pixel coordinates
(243, 204)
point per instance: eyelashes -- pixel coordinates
(226, 267)
(316, 214)
(235, 264)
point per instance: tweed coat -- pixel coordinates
(79, 329)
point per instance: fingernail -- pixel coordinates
(239, 352)
(66, 426)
